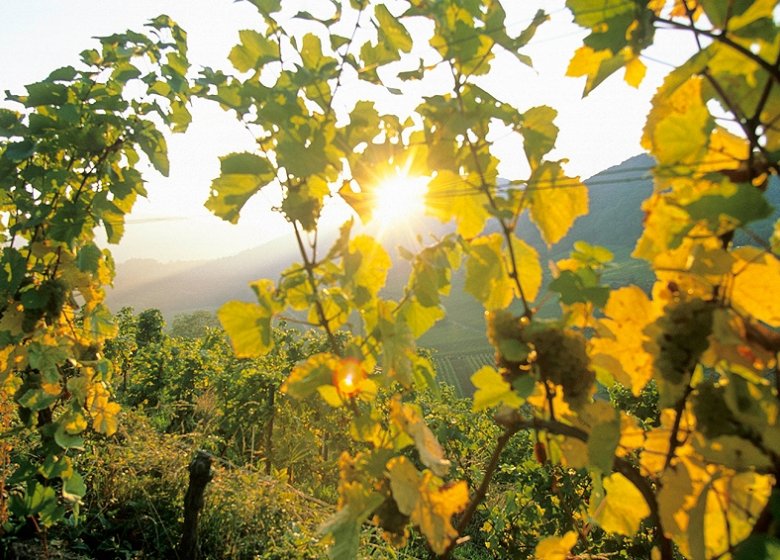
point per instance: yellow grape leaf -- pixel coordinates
(656, 447)
(678, 493)
(665, 223)
(678, 126)
(756, 284)
(429, 504)
(619, 348)
(727, 151)
(596, 65)
(556, 201)
(540, 400)
(730, 344)
(317, 370)
(404, 484)
(74, 422)
(529, 268)
(756, 11)
(467, 207)
(555, 548)
(492, 390)
(486, 276)
(357, 499)
(420, 318)
(635, 72)
(604, 422)
(104, 413)
(249, 327)
(409, 420)
(724, 513)
(622, 509)
(674, 270)
(366, 265)
(436, 508)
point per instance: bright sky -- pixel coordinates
(37, 36)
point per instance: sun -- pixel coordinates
(399, 198)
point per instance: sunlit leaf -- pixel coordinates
(254, 50)
(623, 508)
(242, 175)
(620, 347)
(555, 200)
(492, 390)
(249, 327)
(556, 548)
(756, 279)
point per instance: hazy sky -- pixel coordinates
(37, 36)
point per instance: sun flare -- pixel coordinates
(399, 198)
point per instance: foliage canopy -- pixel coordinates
(703, 477)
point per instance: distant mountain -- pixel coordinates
(615, 221)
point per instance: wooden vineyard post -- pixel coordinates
(200, 475)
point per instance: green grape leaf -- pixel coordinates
(746, 204)
(539, 133)
(73, 487)
(243, 175)
(604, 434)
(153, 144)
(395, 35)
(254, 51)
(574, 288)
(303, 203)
(99, 323)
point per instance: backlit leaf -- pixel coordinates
(243, 174)
(623, 508)
(556, 548)
(253, 51)
(249, 327)
(555, 200)
(620, 347)
(756, 281)
(466, 207)
(492, 390)
(432, 505)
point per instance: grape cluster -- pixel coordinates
(684, 330)
(43, 301)
(559, 356)
(503, 329)
(713, 415)
(562, 359)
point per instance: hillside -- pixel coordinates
(615, 222)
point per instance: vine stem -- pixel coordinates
(726, 40)
(620, 465)
(481, 492)
(309, 267)
(514, 272)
